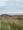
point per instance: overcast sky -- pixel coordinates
(11, 7)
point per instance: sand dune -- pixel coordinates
(12, 18)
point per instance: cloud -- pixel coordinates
(12, 6)
(19, 12)
(3, 0)
(16, 4)
(4, 11)
(4, 3)
(12, 12)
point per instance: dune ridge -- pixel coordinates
(12, 18)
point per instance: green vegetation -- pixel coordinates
(10, 26)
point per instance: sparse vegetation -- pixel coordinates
(9, 17)
(5, 25)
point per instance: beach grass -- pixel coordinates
(10, 26)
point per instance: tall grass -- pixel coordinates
(10, 26)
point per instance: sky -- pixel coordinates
(12, 7)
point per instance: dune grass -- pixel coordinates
(10, 26)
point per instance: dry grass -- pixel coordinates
(14, 18)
